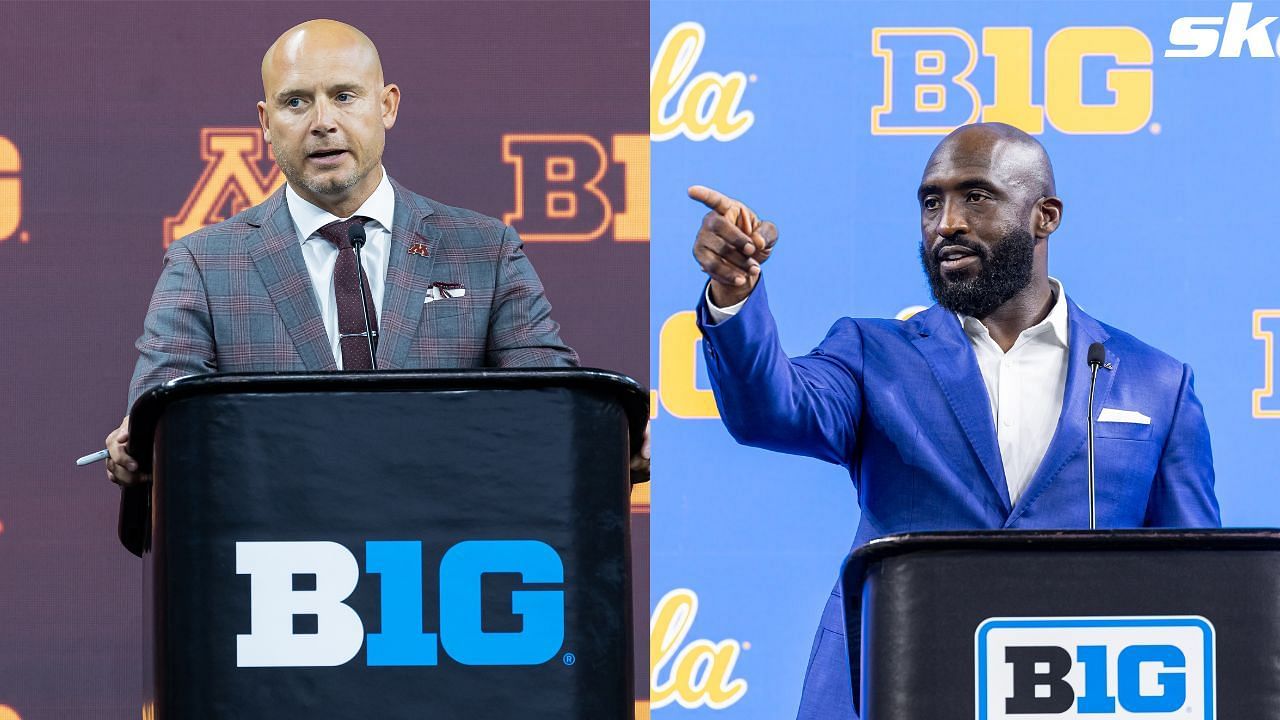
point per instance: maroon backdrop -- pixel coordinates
(122, 122)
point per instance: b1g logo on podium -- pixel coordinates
(1117, 668)
(299, 618)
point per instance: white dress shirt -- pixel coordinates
(321, 255)
(1025, 385)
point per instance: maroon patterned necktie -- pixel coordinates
(346, 288)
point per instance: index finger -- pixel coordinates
(713, 199)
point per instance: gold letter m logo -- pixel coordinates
(231, 181)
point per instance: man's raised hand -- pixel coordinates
(730, 245)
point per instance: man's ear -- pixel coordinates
(1047, 216)
(390, 105)
(264, 122)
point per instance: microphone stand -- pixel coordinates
(1097, 359)
(1093, 522)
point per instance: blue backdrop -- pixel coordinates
(1166, 168)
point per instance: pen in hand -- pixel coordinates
(92, 458)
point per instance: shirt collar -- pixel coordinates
(1054, 324)
(307, 218)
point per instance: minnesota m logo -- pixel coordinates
(231, 181)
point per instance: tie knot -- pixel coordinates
(336, 232)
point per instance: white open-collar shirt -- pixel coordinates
(320, 255)
(1025, 385)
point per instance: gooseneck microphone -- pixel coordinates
(1097, 358)
(355, 234)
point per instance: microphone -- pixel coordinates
(355, 234)
(1097, 359)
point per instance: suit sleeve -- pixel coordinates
(177, 337)
(1182, 494)
(804, 406)
(521, 331)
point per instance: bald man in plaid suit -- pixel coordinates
(236, 297)
(271, 289)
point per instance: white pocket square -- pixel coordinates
(435, 293)
(1123, 416)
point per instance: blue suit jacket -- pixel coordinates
(903, 406)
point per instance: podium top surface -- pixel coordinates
(147, 410)
(1067, 540)
(480, 379)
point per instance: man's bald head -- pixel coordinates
(987, 207)
(1008, 153)
(325, 110)
(317, 36)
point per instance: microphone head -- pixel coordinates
(355, 234)
(1097, 354)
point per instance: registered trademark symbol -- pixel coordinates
(24, 237)
(746, 644)
(569, 659)
(1155, 128)
(752, 77)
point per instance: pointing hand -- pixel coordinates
(731, 245)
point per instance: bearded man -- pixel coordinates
(971, 414)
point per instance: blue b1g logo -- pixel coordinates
(1119, 668)
(336, 634)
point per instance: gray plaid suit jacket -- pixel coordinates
(236, 297)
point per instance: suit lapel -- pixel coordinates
(1072, 430)
(944, 346)
(408, 275)
(278, 257)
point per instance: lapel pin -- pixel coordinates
(418, 249)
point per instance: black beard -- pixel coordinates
(1007, 268)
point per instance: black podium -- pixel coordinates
(448, 544)
(1071, 624)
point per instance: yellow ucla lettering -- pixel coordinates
(906, 313)
(1262, 320)
(678, 369)
(8, 713)
(678, 357)
(700, 673)
(10, 188)
(707, 106)
(231, 181)
(927, 88)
